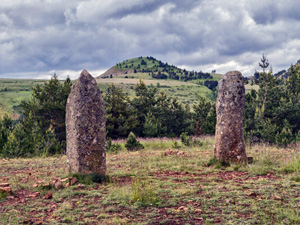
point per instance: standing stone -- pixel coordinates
(85, 127)
(229, 138)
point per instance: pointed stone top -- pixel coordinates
(85, 73)
(85, 78)
(233, 72)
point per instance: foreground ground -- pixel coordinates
(157, 186)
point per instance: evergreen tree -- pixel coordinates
(201, 112)
(6, 126)
(152, 127)
(264, 63)
(121, 116)
(48, 106)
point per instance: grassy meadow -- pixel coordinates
(166, 183)
(12, 92)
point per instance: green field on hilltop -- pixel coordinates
(12, 92)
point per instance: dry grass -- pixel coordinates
(150, 187)
(134, 81)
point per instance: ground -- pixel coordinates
(158, 185)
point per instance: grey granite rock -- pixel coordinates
(229, 138)
(85, 127)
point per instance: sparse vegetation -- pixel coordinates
(147, 187)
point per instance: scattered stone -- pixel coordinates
(48, 195)
(85, 127)
(41, 182)
(170, 152)
(6, 189)
(66, 179)
(198, 210)
(4, 185)
(229, 138)
(73, 181)
(276, 197)
(81, 185)
(252, 194)
(34, 195)
(47, 185)
(183, 208)
(58, 185)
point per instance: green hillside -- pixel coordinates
(155, 68)
(187, 86)
(12, 92)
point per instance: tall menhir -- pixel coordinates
(85, 127)
(229, 138)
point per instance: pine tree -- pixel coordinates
(121, 116)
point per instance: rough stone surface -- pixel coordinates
(229, 138)
(85, 127)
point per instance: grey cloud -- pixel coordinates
(61, 35)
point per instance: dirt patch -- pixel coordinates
(122, 180)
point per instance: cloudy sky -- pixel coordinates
(40, 37)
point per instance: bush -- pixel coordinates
(110, 147)
(132, 143)
(143, 192)
(186, 139)
(189, 141)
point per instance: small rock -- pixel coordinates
(46, 185)
(252, 194)
(6, 189)
(40, 182)
(34, 195)
(276, 197)
(4, 185)
(64, 180)
(81, 185)
(58, 184)
(73, 181)
(49, 195)
(183, 208)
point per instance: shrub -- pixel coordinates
(186, 139)
(143, 192)
(132, 143)
(111, 147)
(189, 141)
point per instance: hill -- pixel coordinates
(187, 86)
(155, 68)
(284, 74)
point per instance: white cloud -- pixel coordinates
(48, 35)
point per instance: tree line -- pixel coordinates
(41, 130)
(271, 115)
